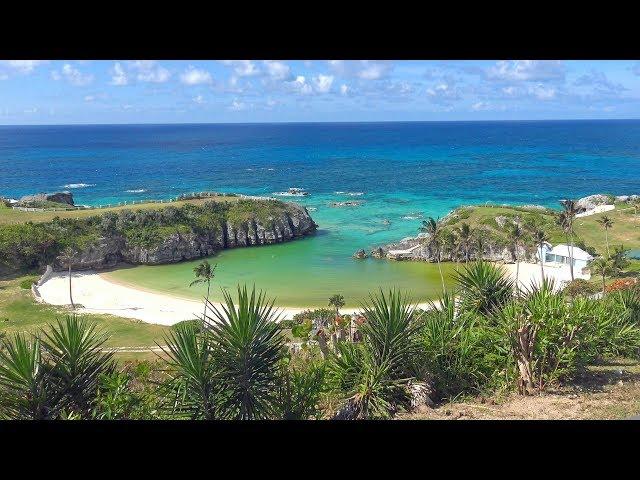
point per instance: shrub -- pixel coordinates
(580, 287)
(622, 284)
(27, 282)
(302, 330)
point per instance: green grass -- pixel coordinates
(19, 312)
(625, 231)
(8, 216)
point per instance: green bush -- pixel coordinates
(302, 330)
(27, 282)
(580, 287)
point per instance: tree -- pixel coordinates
(465, 236)
(565, 221)
(204, 273)
(540, 237)
(67, 258)
(516, 236)
(337, 301)
(434, 241)
(606, 223)
(479, 236)
(619, 259)
(602, 266)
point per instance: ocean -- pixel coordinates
(400, 172)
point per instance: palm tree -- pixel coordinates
(540, 237)
(337, 301)
(204, 273)
(516, 236)
(565, 220)
(602, 266)
(465, 235)
(66, 258)
(606, 223)
(434, 241)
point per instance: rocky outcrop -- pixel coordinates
(592, 201)
(360, 254)
(58, 197)
(111, 250)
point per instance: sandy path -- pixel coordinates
(97, 294)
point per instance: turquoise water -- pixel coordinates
(404, 172)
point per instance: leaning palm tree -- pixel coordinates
(249, 348)
(464, 234)
(603, 267)
(565, 221)
(606, 223)
(540, 237)
(434, 241)
(67, 258)
(204, 274)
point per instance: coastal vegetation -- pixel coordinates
(237, 364)
(153, 234)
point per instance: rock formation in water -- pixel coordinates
(64, 198)
(291, 223)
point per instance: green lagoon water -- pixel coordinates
(308, 271)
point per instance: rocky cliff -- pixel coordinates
(109, 250)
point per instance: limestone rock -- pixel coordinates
(592, 201)
(58, 197)
(360, 254)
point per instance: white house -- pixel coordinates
(559, 255)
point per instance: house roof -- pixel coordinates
(563, 250)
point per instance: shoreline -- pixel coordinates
(95, 293)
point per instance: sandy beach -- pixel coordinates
(97, 294)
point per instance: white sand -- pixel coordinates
(97, 294)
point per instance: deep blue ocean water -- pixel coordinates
(403, 172)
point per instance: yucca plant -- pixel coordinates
(194, 388)
(74, 350)
(450, 348)
(25, 389)
(299, 391)
(372, 374)
(249, 347)
(483, 288)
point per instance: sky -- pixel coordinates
(223, 91)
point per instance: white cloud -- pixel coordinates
(277, 70)
(344, 89)
(118, 75)
(237, 105)
(89, 98)
(362, 69)
(444, 92)
(600, 82)
(527, 70)
(150, 71)
(243, 68)
(31, 110)
(323, 83)
(198, 99)
(541, 92)
(22, 66)
(72, 75)
(300, 85)
(195, 76)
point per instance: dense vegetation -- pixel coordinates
(29, 245)
(235, 364)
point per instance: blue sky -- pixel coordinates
(143, 91)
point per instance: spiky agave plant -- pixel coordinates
(299, 391)
(372, 374)
(249, 347)
(449, 348)
(25, 392)
(193, 388)
(483, 287)
(74, 349)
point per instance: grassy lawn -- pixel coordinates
(9, 216)
(625, 231)
(19, 312)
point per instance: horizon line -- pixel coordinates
(321, 122)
